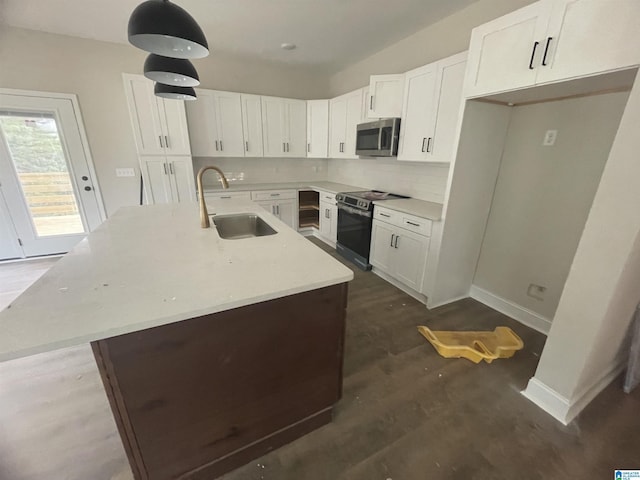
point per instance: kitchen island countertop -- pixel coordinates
(153, 265)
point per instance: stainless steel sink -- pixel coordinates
(242, 225)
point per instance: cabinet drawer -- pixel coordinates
(404, 220)
(386, 215)
(273, 195)
(227, 195)
(327, 196)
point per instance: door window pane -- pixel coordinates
(36, 152)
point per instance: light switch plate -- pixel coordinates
(125, 172)
(550, 138)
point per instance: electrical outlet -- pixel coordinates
(536, 291)
(125, 172)
(550, 138)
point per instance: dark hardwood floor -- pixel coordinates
(406, 412)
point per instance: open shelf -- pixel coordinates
(308, 209)
(308, 223)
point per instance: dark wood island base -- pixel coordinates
(197, 398)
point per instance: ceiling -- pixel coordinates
(329, 34)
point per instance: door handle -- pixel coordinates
(166, 141)
(274, 194)
(546, 50)
(278, 209)
(165, 168)
(533, 54)
(288, 147)
(428, 144)
(284, 149)
(160, 138)
(423, 141)
(221, 147)
(246, 146)
(396, 242)
(216, 145)
(308, 147)
(392, 235)
(371, 103)
(171, 168)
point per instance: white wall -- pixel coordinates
(92, 70)
(543, 196)
(261, 170)
(442, 39)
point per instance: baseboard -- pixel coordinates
(563, 409)
(408, 290)
(446, 302)
(513, 310)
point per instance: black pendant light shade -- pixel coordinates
(163, 28)
(173, 92)
(171, 71)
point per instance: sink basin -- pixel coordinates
(243, 225)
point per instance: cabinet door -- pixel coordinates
(268, 206)
(504, 54)
(418, 113)
(337, 126)
(296, 128)
(174, 125)
(203, 125)
(590, 36)
(145, 117)
(333, 223)
(317, 128)
(183, 187)
(382, 236)
(325, 219)
(385, 96)
(449, 95)
(273, 126)
(409, 259)
(157, 183)
(286, 211)
(252, 125)
(354, 116)
(229, 113)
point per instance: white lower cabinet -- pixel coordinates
(328, 221)
(400, 252)
(168, 179)
(280, 203)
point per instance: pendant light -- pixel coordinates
(174, 92)
(171, 71)
(163, 28)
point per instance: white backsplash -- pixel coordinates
(263, 170)
(417, 180)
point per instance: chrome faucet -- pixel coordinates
(204, 215)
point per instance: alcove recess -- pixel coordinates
(309, 209)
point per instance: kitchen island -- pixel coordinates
(212, 351)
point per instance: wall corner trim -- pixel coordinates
(513, 310)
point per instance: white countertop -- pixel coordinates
(326, 186)
(419, 208)
(154, 265)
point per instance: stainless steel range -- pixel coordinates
(355, 217)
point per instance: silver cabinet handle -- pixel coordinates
(160, 138)
(221, 147)
(414, 224)
(246, 146)
(396, 242)
(278, 210)
(274, 194)
(326, 213)
(392, 235)
(429, 144)
(166, 141)
(226, 196)
(284, 148)
(273, 209)
(165, 168)
(371, 103)
(288, 149)
(171, 168)
(216, 145)
(423, 142)
(308, 147)
(384, 215)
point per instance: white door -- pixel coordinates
(183, 187)
(145, 116)
(505, 53)
(382, 236)
(317, 128)
(385, 96)
(286, 211)
(203, 125)
(229, 112)
(337, 126)
(296, 118)
(589, 36)
(354, 117)
(48, 185)
(157, 180)
(173, 120)
(410, 249)
(252, 125)
(449, 95)
(418, 113)
(273, 126)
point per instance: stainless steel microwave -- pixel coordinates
(379, 138)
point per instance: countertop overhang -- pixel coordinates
(153, 265)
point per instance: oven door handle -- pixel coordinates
(354, 211)
(380, 139)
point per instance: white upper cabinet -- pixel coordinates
(215, 124)
(503, 53)
(553, 40)
(284, 129)
(345, 113)
(431, 109)
(384, 98)
(159, 125)
(252, 125)
(317, 128)
(590, 36)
